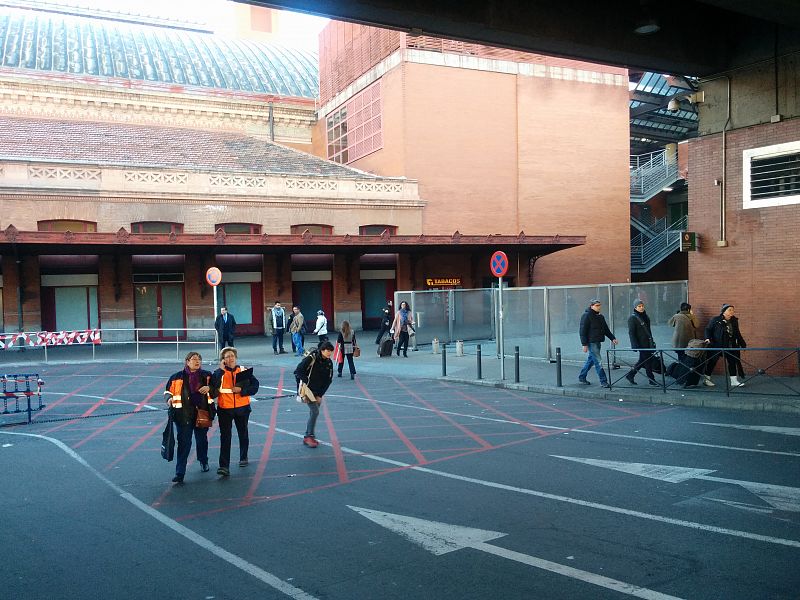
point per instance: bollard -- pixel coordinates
(444, 360)
(558, 368)
(459, 348)
(516, 364)
(435, 345)
(479, 362)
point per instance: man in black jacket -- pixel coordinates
(386, 321)
(642, 339)
(593, 330)
(225, 325)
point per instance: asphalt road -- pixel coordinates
(420, 489)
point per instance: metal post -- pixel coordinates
(444, 360)
(727, 375)
(608, 361)
(45, 353)
(500, 336)
(177, 345)
(663, 371)
(548, 340)
(28, 389)
(136, 332)
(479, 362)
(516, 364)
(558, 367)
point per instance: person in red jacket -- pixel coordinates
(186, 391)
(232, 390)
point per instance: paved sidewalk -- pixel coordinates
(761, 393)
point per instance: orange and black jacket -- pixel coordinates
(178, 390)
(222, 383)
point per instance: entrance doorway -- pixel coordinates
(374, 295)
(159, 311)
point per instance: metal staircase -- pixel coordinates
(649, 249)
(652, 172)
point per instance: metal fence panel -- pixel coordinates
(540, 319)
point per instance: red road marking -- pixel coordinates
(265, 452)
(136, 444)
(503, 414)
(447, 418)
(414, 450)
(108, 426)
(337, 448)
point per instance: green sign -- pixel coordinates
(688, 241)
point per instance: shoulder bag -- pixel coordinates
(304, 393)
(168, 439)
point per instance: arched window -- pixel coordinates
(238, 227)
(377, 229)
(313, 228)
(156, 227)
(67, 225)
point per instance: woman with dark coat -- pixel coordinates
(316, 371)
(641, 338)
(723, 332)
(186, 391)
(347, 345)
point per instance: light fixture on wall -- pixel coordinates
(646, 23)
(674, 104)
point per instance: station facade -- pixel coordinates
(136, 155)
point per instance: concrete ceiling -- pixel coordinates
(696, 37)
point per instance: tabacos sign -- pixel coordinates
(442, 282)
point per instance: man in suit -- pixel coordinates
(225, 325)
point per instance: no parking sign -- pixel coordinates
(213, 276)
(498, 265)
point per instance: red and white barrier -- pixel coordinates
(50, 338)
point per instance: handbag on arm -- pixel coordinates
(304, 393)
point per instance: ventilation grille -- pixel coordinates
(775, 176)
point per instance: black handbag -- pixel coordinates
(168, 440)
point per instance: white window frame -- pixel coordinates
(765, 152)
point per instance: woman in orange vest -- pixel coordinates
(232, 386)
(187, 390)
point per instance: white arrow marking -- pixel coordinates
(441, 538)
(765, 428)
(780, 496)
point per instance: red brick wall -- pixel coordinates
(115, 277)
(759, 270)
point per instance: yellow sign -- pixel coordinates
(442, 282)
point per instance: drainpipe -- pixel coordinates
(723, 241)
(271, 124)
(18, 260)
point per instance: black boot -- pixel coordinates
(630, 377)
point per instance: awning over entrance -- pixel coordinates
(123, 242)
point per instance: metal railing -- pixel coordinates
(115, 342)
(650, 173)
(774, 371)
(645, 255)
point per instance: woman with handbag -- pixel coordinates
(402, 327)
(232, 385)
(187, 396)
(348, 348)
(314, 375)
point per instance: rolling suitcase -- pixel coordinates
(386, 346)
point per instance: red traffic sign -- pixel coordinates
(499, 264)
(214, 276)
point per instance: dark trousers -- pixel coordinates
(645, 361)
(183, 438)
(403, 343)
(227, 417)
(225, 340)
(313, 413)
(732, 357)
(350, 364)
(384, 329)
(277, 340)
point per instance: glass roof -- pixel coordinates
(652, 124)
(68, 45)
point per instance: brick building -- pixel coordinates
(137, 154)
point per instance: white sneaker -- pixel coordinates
(735, 382)
(707, 381)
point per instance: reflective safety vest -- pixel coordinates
(174, 392)
(227, 397)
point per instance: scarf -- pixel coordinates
(403, 316)
(194, 384)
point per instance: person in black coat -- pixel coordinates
(723, 332)
(641, 337)
(593, 330)
(186, 391)
(387, 314)
(225, 325)
(316, 371)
